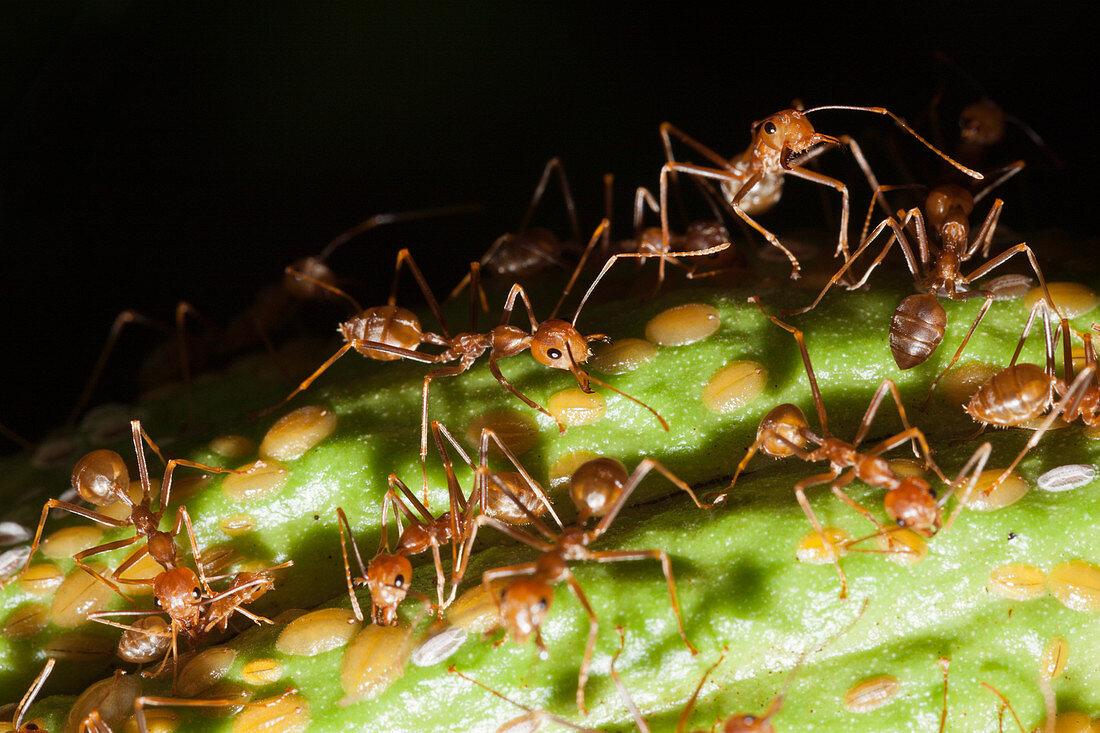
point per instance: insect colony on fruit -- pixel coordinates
(516, 595)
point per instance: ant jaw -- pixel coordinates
(603, 338)
(582, 378)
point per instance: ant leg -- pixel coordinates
(170, 468)
(837, 487)
(299, 275)
(827, 544)
(983, 239)
(305, 384)
(510, 303)
(966, 339)
(488, 434)
(341, 524)
(819, 404)
(1004, 257)
(78, 558)
(603, 227)
(404, 256)
(16, 438)
(824, 180)
(533, 719)
(447, 371)
(974, 466)
(590, 644)
(495, 370)
(121, 321)
(142, 701)
(380, 219)
(554, 164)
(872, 409)
(425, 515)
(639, 720)
(720, 497)
(1003, 174)
(181, 513)
(685, 716)
(864, 244)
(666, 568)
(640, 473)
(632, 398)
(130, 561)
(72, 508)
(744, 187)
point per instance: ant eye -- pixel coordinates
(399, 581)
(541, 605)
(769, 127)
(901, 522)
(932, 492)
(553, 353)
(156, 602)
(196, 593)
(749, 719)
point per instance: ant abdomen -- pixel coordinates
(1013, 396)
(100, 477)
(391, 325)
(916, 329)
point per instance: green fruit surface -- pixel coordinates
(741, 588)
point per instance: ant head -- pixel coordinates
(596, 486)
(942, 199)
(179, 594)
(748, 723)
(788, 130)
(780, 430)
(523, 606)
(982, 123)
(912, 504)
(388, 578)
(557, 343)
(319, 275)
(100, 477)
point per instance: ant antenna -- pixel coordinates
(901, 123)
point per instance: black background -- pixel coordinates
(154, 152)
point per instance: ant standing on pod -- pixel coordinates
(753, 181)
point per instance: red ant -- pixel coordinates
(752, 182)
(698, 235)
(599, 488)
(389, 574)
(100, 478)
(521, 254)
(1022, 392)
(919, 322)
(909, 501)
(554, 342)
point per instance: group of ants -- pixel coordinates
(936, 242)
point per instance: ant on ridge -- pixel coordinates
(554, 342)
(753, 181)
(909, 501)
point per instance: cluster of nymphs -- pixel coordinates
(195, 604)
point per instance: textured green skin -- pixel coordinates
(739, 583)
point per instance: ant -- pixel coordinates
(752, 182)
(598, 488)
(1023, 391)
(554, 342)
(100, 478)
(28, 699)
(919, 322)
(389, 574)
(910, 500)
(698, 235)
(518, 255)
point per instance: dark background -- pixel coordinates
(153, 152)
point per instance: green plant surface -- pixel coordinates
(739, 582)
